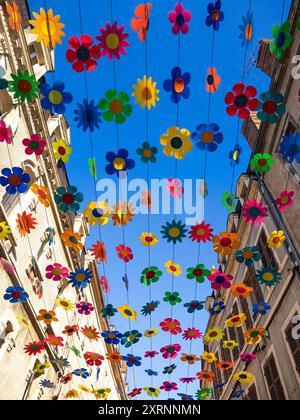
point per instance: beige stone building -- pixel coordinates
(277, 365)
(32, 253)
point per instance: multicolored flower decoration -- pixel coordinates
(282, 39)
(192, 334)
(201, 232)
(236, 321)
(241, 101)
(171, 325)
(56, 272)
(254, 335)
(112, 337)
(262, 162)
(84, 308)
(172, 298)
(87, 115)
(208, 137)
(5, 133)
(176, 142)
(240, 289)
(68, 199)
(170, 351)
(215, 15)
(217, 307)
(118, 162)
(80, 278)
(214, 334)
(152, 391)
(24, 86)
(271, 107)
(261, 308)
(169, 386)
(82, 53)
(174, 232)
(14, 180)
(115, 106)
(150, 275)
(220, 280)
(127, 313)
(148, 153)
(47, 27)
(132, 360)
(276, 239)
(246, 29)
(235, 154)
(62, 150)
(55, 97)
(203, 393)
(15, 294)
(97, 214)
(285, 200)
(248, 256)
(130, 337)
(226, 243)
(150, 307)
(254, 212)
(228, 201)
(180, 19)
(289, 147)
(269, 276)
(198, 273)
(213, 80)
(113, 40)
(247, 357)
(178, 85)
(146, 93)
(194, 305)
(140, 22)
(15, 18)
(173, 268)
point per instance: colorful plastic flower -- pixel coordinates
(205, 375)
(66, 378)
(115, 106)
(151, 354)
(135, 392)
(145, 93)
(72, 394)
(175, 188)
(15, 294)
(208, 137)
(55, 97)
(243, 377)
(24, 86)
(241, 101)
(261, 308)
(169, 386)
(151, 391)
(114, 357)
(150, 275)
(42, 194)
(15, 180)
(72, 239)
(276, 239)
(178, 85)
(140, 22)
(191, 334)
(118, 162)
(84, 308)
(47, 27)
(185, 397)
(122, 214)
(217, 308)
(101, 393)
(247, 357)
(47, 316)
(15, 18)
(262, 162)
(173, 268)
(151, 332)
(201, 232)
(112, 337)
(254, 335)
(82, 53)
(34, 348)
(151, 372)
(46, 383)
(176, 142)
(87, 115)
(82, 372)
(226, 243)
(148, 239)
(187, 380)
(246, 29)
(168, 370)
(282, 39)
(289, 147)
(25, 223)
(228, 201)
(224, 365)
(213, 80)
(248, 256)
(235, 154)
(198, 273)
(127, 312)
(97, 214)
(54, 341)
(194, 305)
(170, 351)
(62, 150)
(254, 212)
(229, 344)
(236, 320)
(108, 311)
(172, 298)
(147, 153)
(240, 289)
(61, 362)
(269, 276)
(124, 253)
(174, 231)
(209, 357)
(220, 280)
(68, 199)
(113, 40)
(70, 330)
(180, 19)
(150, 307)
(7, 266)
(130, 337)
(80, 278)
(171, 325)
(5, 133)
(132, 360)
(203, 393)
(214, 334)
(285, 200)
(56, 272)
(64, 304)
(215, 15)
(271, 107)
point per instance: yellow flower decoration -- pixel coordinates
(151, 391)
(229, 344)
(102, 393)
(173, 268)
(40, 367)
(84, 388)
(276, 239)
(47, 27)
(152, 332)
(244, 377)
(148, 239)
(4, 230)
(72, 394)
(209, 357)
(23, 321)
(61, 150)
(145, 92)
(122, 214)
(65, 304)
(214, 334)
(127, 312)
(97, 213)
(236, 321)
(176, 142)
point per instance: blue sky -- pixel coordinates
(195, 56)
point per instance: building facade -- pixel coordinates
(25, 255)
(276, 368)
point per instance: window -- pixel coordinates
(251, 394)
(273, 380)
(267, 256)
(34, 276)
(294, 346)
(246, 311)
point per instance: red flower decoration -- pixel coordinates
(169, 386)
(84, 308)
(241, 101)
(34, 348)
(171, 325)
(201, 232)
(124, 253)
(93, 359)
(151, 354)
(34, 145)
(83, 54)
(248, 357)
(54, 341)
(5, 133)
(191, 334)
(170, 351)
(205, 375)
(66, 379)
(135, 392)
(220, 280)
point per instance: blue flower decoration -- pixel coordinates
(207, 137)
(45, 383)
(261, 308)
(151, 372)
(168, 370)
(268, 276)
(194, 305)
(178, 85)
(185, 397)
(132, 360)
(15, 180)
(248, 256)
(87, 115)
(215, 15)
(80, 278)
(289, 147)
(246, 29)
(108, 311)
(131, 337)
(112, 337)
(217, 308)
(82, 372)
(118, 162)
(238, 393)
(16, 294)
(68, 199)
(235, 154)
(55, 97)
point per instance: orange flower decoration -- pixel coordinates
(15, 18)
(146, 199)
(140, 22)
(114, 357)
(205, 375)
(255, 335)
(226, 243)
(70, 330)
(213, 80)
(66, 379)
(190, 358)
(99, 252)
(42, 194)
(25, 223)
(91, 333)
(122, 214)
(72, 239)
(239, 289)
(47, 316)
(225, 365)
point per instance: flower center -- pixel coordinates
(215, 15)
(128, 312)
(48, 26)
(147, 94)
(280, 40)
(174, 232)
(148, 239)
(200, 232)
(210, 80)
(150, 274)
(235, 319)
(213, 334)
(241, 101)
(55, 97)
(16, 295)
(248, 32)
(68, 198)
(268, 276)
(254, 212)
(176, 142)
(248, 255)
(225, 242)
(24, 86)
(241, 290)
(61, 150)
(98, 213)
(112, 41)
(180, 19)
(262, 162)
(83, 54)
(147, 153)
(269, 107)
(179, 85)
(119, 164)
(220, 279)
(207, 137)
(80, 277)
(34, 145)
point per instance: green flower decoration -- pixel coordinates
(75, 351)
(147, 153)
(228, 201)
(24, 86)
(268, 276)
(298, 25)
(248, 256)
(68, 199)
(199, 273)
(115, 106)
(150, 307)
(172, 298)
(174, 231)
(108, 311)
(93, 168)
(61, 362)
(282, 39)
(262, 162)
(203, 393)
(150, 275)
(130, 337)
(194, 305)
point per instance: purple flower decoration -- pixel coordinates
(178, 85)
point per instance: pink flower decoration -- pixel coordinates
(180, 19)
(175, 188)
(124, 253)
(7, 266)
(57, 272)
(169, 386)
(247, 357)
(151, 354)
(285, 200)
(5, 133)
(82, 53)
(34, 145)
(171, 325)
(192, 334)
(84, 308)
(220, 280)
(187, 380)
(104, 284)
(112, 40)
(170, 351)
(254, 212)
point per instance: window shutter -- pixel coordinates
(252, 394)
(294, 346)
(273, 380)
